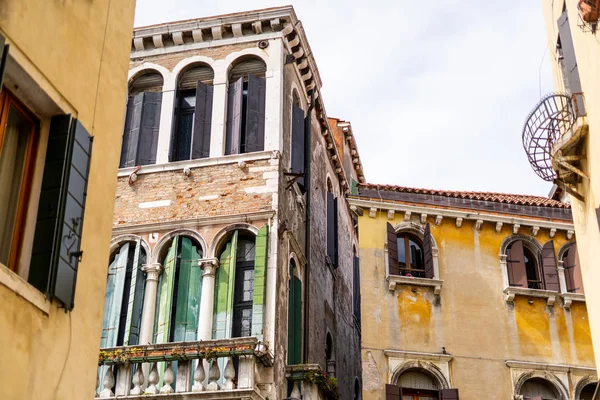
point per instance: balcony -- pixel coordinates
(553, 139)
(225, 369)
(310, 382)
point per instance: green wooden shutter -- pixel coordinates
(260, 281)
(182, 290)
(194, 295)
(136, 299)
(166, 295)
(113, 299)
(225, 279)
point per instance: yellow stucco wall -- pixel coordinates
(78, 52)
(587, 52)
(472, 320)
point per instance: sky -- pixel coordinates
(437, 91)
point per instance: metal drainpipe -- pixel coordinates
(307, 158)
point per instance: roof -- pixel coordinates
(517, 199)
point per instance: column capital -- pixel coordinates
(209, 266)
(153, 270)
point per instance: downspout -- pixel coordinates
(307, 158)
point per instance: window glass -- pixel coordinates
(531, 269)
(401, 252)
(410, 256)
(416, 255)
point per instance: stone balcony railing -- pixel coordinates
(310, 382)
(184, 370)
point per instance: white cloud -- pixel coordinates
(437, 92)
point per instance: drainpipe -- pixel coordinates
(307, 158)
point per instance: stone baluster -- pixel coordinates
(138, 380)
(199, 377)
(246, 372)
(123, 383)
(213, 376)
(107, 383)
(184, 375)
(168, 378)
(295, 391)
(97, 382)
(228, 375)
(152, 380)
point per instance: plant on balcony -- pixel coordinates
(326, 383)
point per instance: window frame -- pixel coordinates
(8, 99)
(408, 237)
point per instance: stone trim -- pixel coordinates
(512, 291)
(583, 382)
(23, 289)
(419, 355)
(555, 374)
(395, 280)
(537, 366)
(168, 236)
(400, 361)
(117, 241)
(569, 298)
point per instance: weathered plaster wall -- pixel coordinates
(54, 355)
(587, 52)
(471, 320)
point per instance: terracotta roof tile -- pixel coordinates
(506, 198)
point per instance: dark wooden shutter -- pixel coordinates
(428, 253)
(149, 124)
(57, 240)
(255, 115)
(131, 133)
(568, 50)
(515, 263)
(356, 289)
(330, 228)
(549, 267)
(573, 271)
(393, 392)
(449, 394)
(392, 246)
(335, 234)
(298, 144)
(234, 117)
(4, 57)
(202, 121)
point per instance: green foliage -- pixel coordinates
(324, 382)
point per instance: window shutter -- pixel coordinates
(202, 121)
(57, 240)
(260, 281)
(428, 253)
(330, 228)
(566, 42)
(131, 133)
(136, 299)
(356, 291)
(392, 246)
(234, 117)
(4, 58)
(165, 300)
(224, 288)
(149, 124)
(182, 277)
(114, 298)
(573, 271)
(298, 144)
(294, 320)
(335, 234)
(515, 263)
(255, 115)
(549, 267)
(393, 392)
(449, 394)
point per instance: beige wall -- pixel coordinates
(81, 64)
(471, 320)
(587, 51)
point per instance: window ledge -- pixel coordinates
(23, 289)
(513, 291)
(395, 280)
(569, 298)
(201, 162)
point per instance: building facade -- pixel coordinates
(470, 295)
(559, 134)
(57, 188)
(233, 249)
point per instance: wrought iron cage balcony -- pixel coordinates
(548, 128)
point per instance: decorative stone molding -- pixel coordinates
(423, 219)
(478, 224)
(516, 228)
(391, 214)
(535, 230)
(158, 248)
(435, 364)
(551, 233)
(583, 382)
(569, 298)
(499, 227)
(118, 241)
(395, 280)
(570, 234)
(438, 220)
(512, 291)
(152, 271)
(209, 266)
(459, 222)
(555, 374)
(407, 216)
(372, 212)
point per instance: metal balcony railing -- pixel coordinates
(551, 119)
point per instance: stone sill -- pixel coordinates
(201, 162)
(246, 394)
(569, 298)
(23, 289)
(417, 355)
(395, 280)
(513, 291)
(529, 365)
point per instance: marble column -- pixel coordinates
(149, 309)
(207, 301)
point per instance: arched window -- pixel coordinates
(539, 388)
(409, 254)
(416, 384)
(179, 291)
(294, 316)
(193, 114)
(530, 267)
(570, 259)
(588, 392)
(240, 285)
(140, 135)
(124, 296)
(246, 107)
(329, 355)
